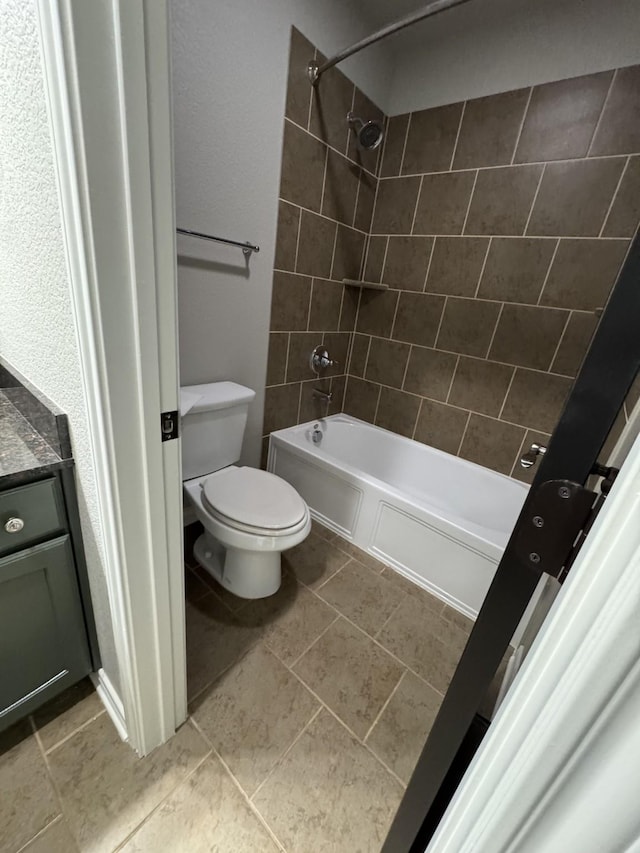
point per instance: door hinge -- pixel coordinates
(557, 513)
(169, 425)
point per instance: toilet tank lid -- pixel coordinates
(218, 395)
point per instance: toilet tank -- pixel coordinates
(213, 424)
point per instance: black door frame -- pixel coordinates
(599, 390)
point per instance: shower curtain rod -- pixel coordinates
(315, 71)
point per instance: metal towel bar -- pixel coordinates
(246, 247)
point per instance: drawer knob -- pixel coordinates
(14, 525)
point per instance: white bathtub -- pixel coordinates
(438, 519)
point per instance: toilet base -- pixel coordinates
(247, 574)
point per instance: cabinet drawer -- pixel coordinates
(39, 506)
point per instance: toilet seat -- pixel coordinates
(254, 501)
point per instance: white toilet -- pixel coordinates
(249, 516)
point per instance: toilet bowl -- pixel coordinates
(249, 516)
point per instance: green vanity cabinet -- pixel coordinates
(45, 615)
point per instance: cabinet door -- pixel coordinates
(43, 640)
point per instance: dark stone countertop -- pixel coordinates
(23, 450)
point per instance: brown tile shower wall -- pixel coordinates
(327, 193)
(499, 226)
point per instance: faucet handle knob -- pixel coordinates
(531, 456)
(320, 360)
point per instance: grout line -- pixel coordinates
(415, 209)
(604, 106)
(312, 644)
(615, 195)
(559, 344)
(41, 833)
(337, 222)
(327, 145)
(80, 728)
(393, 322)
(431, 254)
(236, 782)
(444, 308)
(355, 207)
(47, 765)
(504, 402)
(495, 329)
(404, 146)
(348, 728)
(384, 257)
(464, 432)
(548, 273)
(384, 707)
(521, 128)
(366, 361)
(295, 260)
(333, 254)
(484, 264)
(404, 378)
(533, 203)
(314, 716)
(375, 414)
(485, 236)
(173, 790)
(455, 144)
(501, 166)
(324, 181)
(415, 427)
(453, 376)
(466, 216)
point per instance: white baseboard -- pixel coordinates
(111, 701)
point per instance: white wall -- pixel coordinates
(37, 332)
(229, 82)
(489, 46)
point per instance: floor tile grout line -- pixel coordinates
(50, 776)
(309, 722)
(484, 265)
(614, 197)
(41, 832)
(466, 216)
(348, 729)
(533, 202)
(384, 706)
(560, 339)
(549, 268)
(310, 646)
(218, 676)
(506, 396)
(254, 810)
(168, 796)
(48, 750)
(521, 128)
(457, 139)
(600, 117)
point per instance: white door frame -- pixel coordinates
(565, 737)
(107, 82)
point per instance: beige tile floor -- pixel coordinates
(307, 713)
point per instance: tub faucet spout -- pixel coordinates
(319, 394)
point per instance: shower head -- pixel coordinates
(368, 133)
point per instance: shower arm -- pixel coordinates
(315, 71)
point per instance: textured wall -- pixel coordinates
(500, 225)
(37, 333)
(327, 190)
